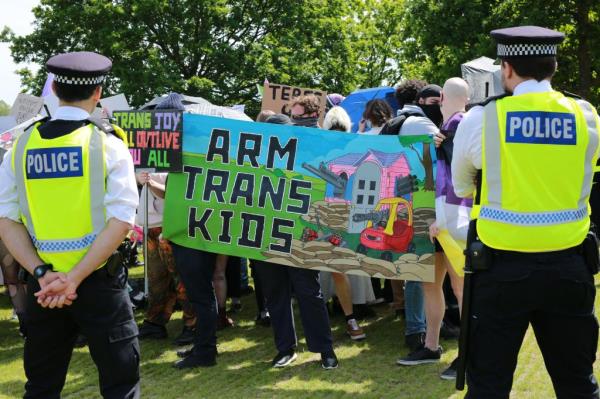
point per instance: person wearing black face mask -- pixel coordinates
(418, 116)
(305, 111)
(429, 101)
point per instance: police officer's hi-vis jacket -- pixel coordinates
(539, 152)
(61, 183)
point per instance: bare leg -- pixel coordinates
(343, 291)
(219, 281)
(435, 304)
(220, 284)
(457, 283)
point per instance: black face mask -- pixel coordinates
(433, 112)
(307, 122)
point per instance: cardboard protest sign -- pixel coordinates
(153, 137)
(303, 197)
(114, 103)
(277, 98)
(50, 105)
(26, 107)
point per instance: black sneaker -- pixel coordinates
(329, 361)
(421, 356)
(450, 372)
(192, 361)
(263, 319)
(448, 331)
(183, 353)
(149, 330)
(414, 341)
(284, 359)
(186, 337)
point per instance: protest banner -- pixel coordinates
(153, 138)
(303, 197)
(26, 107)
(277, 98)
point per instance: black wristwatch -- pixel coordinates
(41, 270)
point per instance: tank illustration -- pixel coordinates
(338, 182)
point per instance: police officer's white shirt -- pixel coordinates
(121, 198)
(466, 158)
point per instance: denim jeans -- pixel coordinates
(414, 304)
(244, 273)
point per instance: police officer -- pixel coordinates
(67, 199)
(536, 149)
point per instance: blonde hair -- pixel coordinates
(337, 119)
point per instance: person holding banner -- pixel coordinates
(419, 115)
(165, 287)
(279, 282)
(67, 200)
(448, 232)
(338, 119)
(376, 114)
(304, 111)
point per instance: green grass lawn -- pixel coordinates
(367, 369)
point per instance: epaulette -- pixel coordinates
(492, 98)
(105, 126)
(572, 95)
(42, 120)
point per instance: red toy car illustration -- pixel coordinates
(396, 236)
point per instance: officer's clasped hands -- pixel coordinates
(57, 290)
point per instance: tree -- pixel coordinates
(4, 108)
(439, 36)
(219, 49)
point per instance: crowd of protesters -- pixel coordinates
(173, 278)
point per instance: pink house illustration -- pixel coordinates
(370, 177)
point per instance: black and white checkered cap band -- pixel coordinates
(93, 80)
(524, 50)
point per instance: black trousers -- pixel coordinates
(258, 289)
(278, 281)
(196, 270)
(554, 292)
(233, 274)
(103, 313)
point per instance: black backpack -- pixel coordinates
(393, 126)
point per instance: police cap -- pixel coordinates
(527, 41)
(79, 68)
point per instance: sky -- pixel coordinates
(16, 14)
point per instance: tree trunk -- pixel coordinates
(582, 19)
(427, 162)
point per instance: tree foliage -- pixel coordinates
(218, 49)
(4, 108)
(439, 36)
